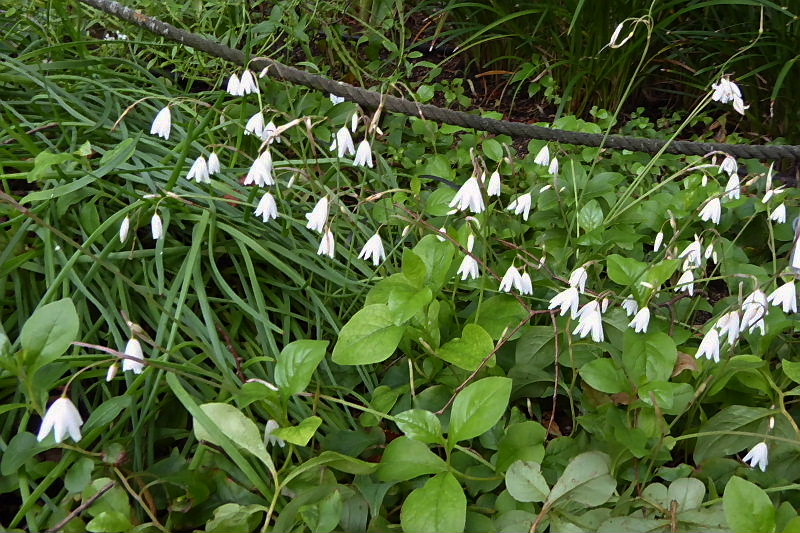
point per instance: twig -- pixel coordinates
(81, 508)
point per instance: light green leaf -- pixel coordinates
(500, 313)
(405, 459)
(370, 336)
(493, 149)
(523, 441)
(48, 333)
(748, 509)
(688, 492)
(439, 506)
(437, 256)
(590, 216)
(526, 483)
(106, 412)
(603, 375)
(233, 517)
(296, 365)
(478, 407)
(468, 351)
(586, 481)
(109, 522)
(625, 271)
(421, 425)
(301, 433)
(648, 355)
(235, 426)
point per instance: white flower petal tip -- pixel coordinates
(709, 346)
(135, 357)
(269, 438)
(373, 249)
(162, 124)
(712, 211)
(112, 372)
(248, 83)
(754, 311)
(199, 171)
(469, 268)
(260, 172)
(469, 196)
(521, 205)
(566, 300)
(318, 217)
(213, 164)
(785, 297)
(124, 228)
(363, 156)
(495, 187)
(758, 456)
(778, 214)
(267, 209)
(733, 189)
(686, 283)
(234, 87)
(590, 322)
(255, 125)
(511, 279)
(526, 285)
(729, 165)
(327, 245)
(543, 157)
(578, 279)
(62, 418)
(640, 321)
(630, 306)
(343, 143)
(659, 240)
(729, 326)
(156, 227)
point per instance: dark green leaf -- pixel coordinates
(296, 365)
(478, 407)
(370, 336)
(747, 507)
(405, 459)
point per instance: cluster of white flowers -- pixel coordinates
(728, 92)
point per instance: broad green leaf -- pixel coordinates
(720, 442)
(370, 336)
(478, 407)
(648, 356)
(21, 448)
(688, 492)
(230, 517)
(296, 365)
(323, 516)
(414, 268)
(525, 482)
(523, 441)
(625, 271)
(492, 149)
(44, 161)
(603, 375)
(405, 459)
(301, 433)
(79, 475)
(747, 507)
(468, 351)
(659, 273)
(114, 500)
(109, 522)
(439, 506)
(234, 425)
(106, 412)
(590, 216)
(421, 425)
(437, 203)
(586, 481)
(404, 303)
(500, 313)
(791, 369)
(438, 257)
(671, 398)
(48, 333)
(535, 347)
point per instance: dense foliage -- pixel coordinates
(374, 322)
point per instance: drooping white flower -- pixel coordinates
(133, 349)
(494, 188)
(469, 268)
(784, 296)
(553, 167)
(255, 125)
(526, 285)
(543, 157)
(248, 83)
(733, 189)
(156, 227)
(709, 346)
(566, 300)
(729, 166)
(729, 326)
(363, 155)
(354, 122)
(213, 164)
(270, 133)
(658, 241)
(318, 217)
(521, 205)
(234, 85)
(772, 193)
(758, 456)
(123, 229)
(578, 279)
(795, 262)
(779, 214)
(373, 249)
(327, 245)
(199, 171)
(590, 321)
(630, 305)
(754, 311)
(692, 255)
(343, 143)
(641, 321)
(686, 283)
(162, 124)
(336, 99)
(62, 418)
(112, 372)
(738, 106)
(727, 91)
(511, 279)
(269, 429)
(260, 172)
(469, 196)
(267, 209)
(712, 211)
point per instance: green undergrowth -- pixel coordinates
(286, 390)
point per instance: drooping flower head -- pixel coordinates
(62, 418)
